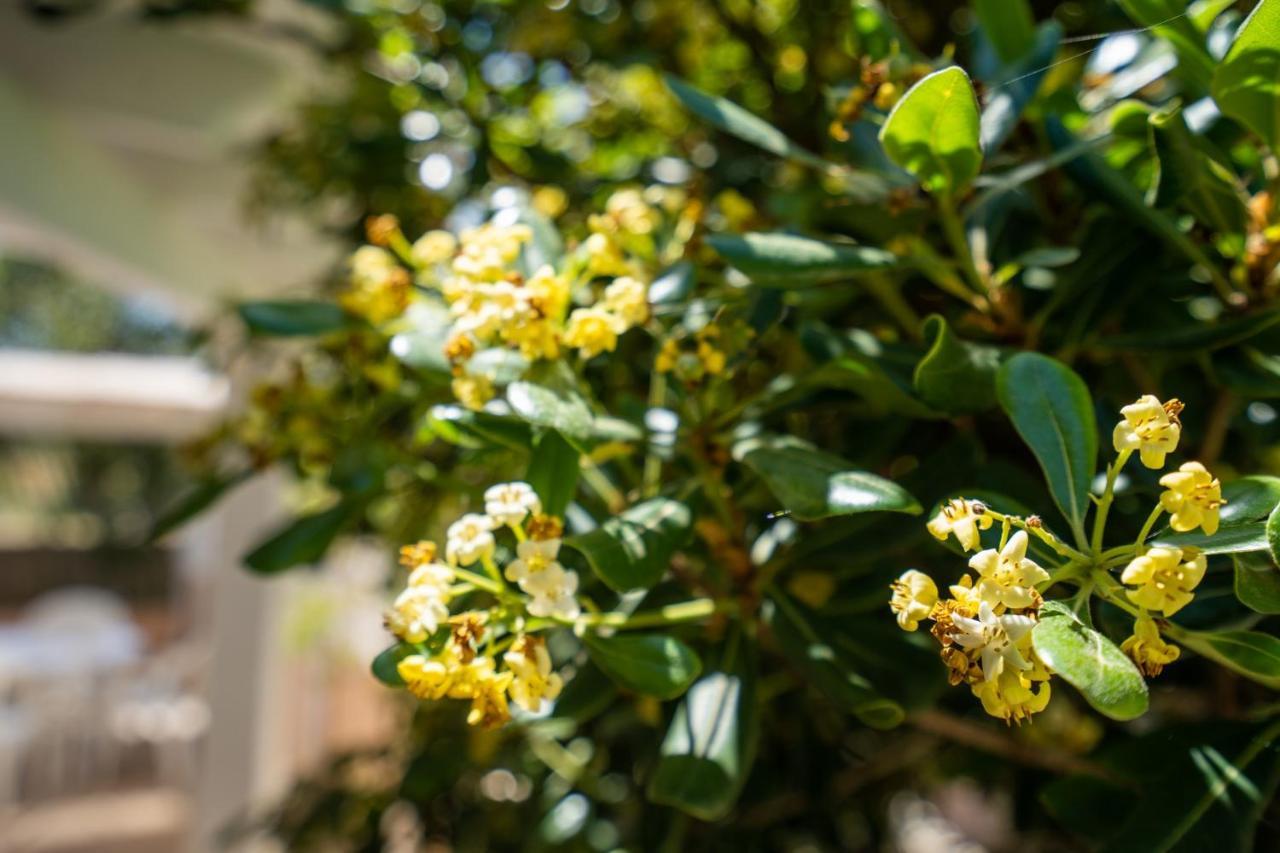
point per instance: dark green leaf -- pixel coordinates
(1186, 175)
(585, 695)
(288, 317)
(933, 132)
(1017, 85)
(553, 472)
(1248, 371)
(1249, 499)
(812, 484)
(466, 428)
(301, 542)
(1246, 84)
(1197, 336)
(1008, 25)
(384, 665)
(633, 549)
(954, 375)
(1273, 534)
(674, 284)
(788, 260)
(1052, 411)
(710, 745)
(827, 668)
(652, 664)
(1257, 582)
(1089, 662)
(194, 502)
(1250, 653)
(421, 345)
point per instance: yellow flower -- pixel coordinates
(667, 356)
(489, 697)
(1008, 577)
(713, 359)
(434, 247)
(1148, 649)
(628, 209)
(995, 639)
(1149, 427)
(1163, 578)
(535, 338)
(473, 390)
(412, 556)
(417, 612)
(1015, 695)
(547, 293)
(549, 201)
(1193, 497)
(379, 289)
(593, 331)
(426, 678)
(628, 299)
(533, 681)
(964, 519)
(604, 257)
(914, 594)
(487, 252)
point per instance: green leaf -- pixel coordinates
(828, 668)
(1252, 654)
(1008, 25)
(788, 260)
(862, 375)
(1167, 19)
(1249, 499)
(289, 317)
(194, 502)
(1016, 86)
(633, 549)
(1273, 534)
(1197, 335)
(1236, 539)
(735, 120)
(1052, 411)
(652, 664)
(1089, 662)
(933, 132)
(1246, 84)
(1257, 582)
(553, 472)
(1248, 371)
(384, 665)
(710, 745)
(1185, 174)
(466, 428)
(561, 410)
(585, 696)
(303, 541)
(812, 484)
(421, 345)
(954, 375)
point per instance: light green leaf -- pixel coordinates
(1252, 654)
(1052, 411)
(553, 472)
(1273, 534)
(1246, 84)
(710, 745)
(561, 410)
(1186, 175)
(466, 428)
(1167, 19)
(292, 317)
(812, 484)
(1008, 25)
(301, 542)
(788, 260)
(652, 664)
(1089, 662)
(633, 549)
(954, 375)
(1257, 582)
(933, 132)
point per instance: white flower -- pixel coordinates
(1008, 577)
(511, 503)
(416, 614)
(540, 576)
(435, 576)
(996, 636)
(469, 539)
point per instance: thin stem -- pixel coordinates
(1146, 529)
(1043, 534)
(607, 491)
(494, 572)
(953, 230)
(478, 581)
(1108, 495)
(886, 292)
(673, 614)
(652, 477)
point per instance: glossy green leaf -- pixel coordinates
(1236, 539)
(933, 132)
(954, 375)
(812, 484)
(1250, 653)
(553, 472)
(1273, 534)
(1187, 176)
(1246, 84)
(204, 495)
(828, 668)
(735, 120)
(563, 411)
(1017, 85)
(585, 695)
(1167, 19)
(709, 747)
(291, 317)
(1052, 411)
(652, 664)
(674, 284)
(788, 260)
(303, 541)
(1257, 582)
(1008, 25)
(632, 550)
(384, 665)
(1249, 499)
(465, 428)
(1089, 662)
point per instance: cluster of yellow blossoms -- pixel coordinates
(985, 626)
(457, 655)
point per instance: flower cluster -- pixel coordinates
(450, 660)
(984, 628)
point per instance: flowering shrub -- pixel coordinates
(660, 457)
